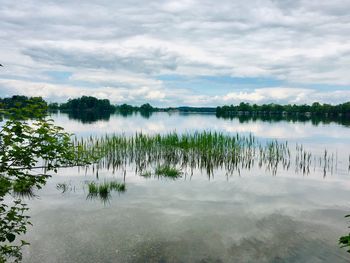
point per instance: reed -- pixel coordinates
(116, 186)
(105, 188)
(93, 188)
(205, 151)
(167, 171)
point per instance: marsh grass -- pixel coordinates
(103, 190)
(116, 186)
(205, 151)
(167, 171)
(93, 188)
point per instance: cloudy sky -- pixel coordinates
(183, 52)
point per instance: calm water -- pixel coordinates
(252, 216)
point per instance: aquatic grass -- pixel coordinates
(103, 190)
(93, 188)
(167, 171)
(99, 191)
(116, 186)
(204, 150)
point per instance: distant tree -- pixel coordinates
(125, 108)
(146, 108)
(315, 109)
(87, 103)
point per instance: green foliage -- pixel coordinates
(87, 103)
(54, 106)
(13, 222)
(126, 108)
(22, 107)
(23, 147)
(146, 107)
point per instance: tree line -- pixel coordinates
(92, 104)
(270, 109)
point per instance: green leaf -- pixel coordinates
(10, 237)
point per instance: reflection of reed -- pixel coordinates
(205, 151)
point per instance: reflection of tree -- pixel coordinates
(314, 119)
(89, 116)
(124, 113)
(146, 114)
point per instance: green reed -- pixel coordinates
(102, 191)
(167, 171)
(105, 187)
(116, 186)
(205, 151)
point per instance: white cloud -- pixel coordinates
(168, 97)
(111, 78)
(271, 94)
(286, 95)
(127, 44)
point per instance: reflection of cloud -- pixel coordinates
(162, 123)
(155, 127)
(284, 130)
(268, 131)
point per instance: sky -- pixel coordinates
(174, 53)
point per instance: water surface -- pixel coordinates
(251, 216)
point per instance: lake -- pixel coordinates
(250, 215)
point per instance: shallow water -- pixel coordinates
(252, 216)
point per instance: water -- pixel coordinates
(253, 216)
